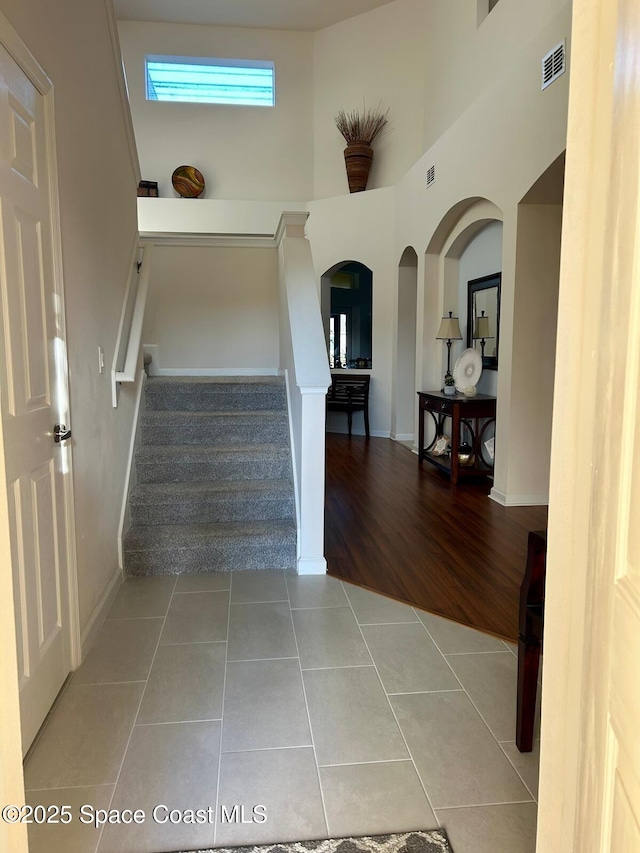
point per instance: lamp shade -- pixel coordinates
(482, 328)
(449, 329)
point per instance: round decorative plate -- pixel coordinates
(467, 369)
(188, 182)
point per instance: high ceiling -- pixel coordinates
(269, 14)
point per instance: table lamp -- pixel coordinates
(449, 331)
(482, 331)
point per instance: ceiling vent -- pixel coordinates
(554, 64)
(431, 176)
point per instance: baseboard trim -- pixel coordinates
(505, 499)
(216, 371)
(312, 566)
(88, 636)
(402, 436)
(375, 433)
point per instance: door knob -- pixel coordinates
(61, 433)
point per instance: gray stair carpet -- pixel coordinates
(213, 478)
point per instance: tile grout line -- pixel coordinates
(224, 687)
(443, 656)
(262, 660)
(477, 710)
(466, 692)
(378, 761)
(458, 654)
(458, 625)
(534, 796)
(306, 704)
(126, 749)
(195, 643)
(70, 788)
(342, 666)
(267, 749)
(426, 692)
(490, 652)
(486, 805)
(409, 753)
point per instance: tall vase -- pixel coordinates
(357, 158)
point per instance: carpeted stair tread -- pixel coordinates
(165, 492)
(200, 503)
(171, 549)
(198, 451)
(226, 427)
(202, 393)
(258, 379)
(184, 462)
(188, 535)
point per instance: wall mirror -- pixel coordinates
(350, 313)
(483, 318)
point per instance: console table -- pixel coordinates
(462, 410)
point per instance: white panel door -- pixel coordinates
(32, 390)
(590, 752)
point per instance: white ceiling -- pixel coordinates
(269, 14)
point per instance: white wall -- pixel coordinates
(534, 359)
(463, 59)
(427, 62)
(470, 98)
(405, 402)
(359, 227)
(371, 58)
(213, 307)
(98, 219)
(483, 256)
(243, 152)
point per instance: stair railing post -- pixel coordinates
(305, 361)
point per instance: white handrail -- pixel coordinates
(127, 350)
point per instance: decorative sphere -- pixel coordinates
(188, 182)
(470, 391)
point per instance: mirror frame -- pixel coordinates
(489, 362)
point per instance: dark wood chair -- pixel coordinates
(530, 637)
(350, 394)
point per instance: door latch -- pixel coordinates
(61, 433)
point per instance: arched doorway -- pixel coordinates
(347, 315)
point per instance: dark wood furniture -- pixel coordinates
(350, 393)
(462, 411)
(530, 637)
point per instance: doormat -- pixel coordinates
(432, 841)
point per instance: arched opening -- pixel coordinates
(404, 376)
(467, 245)
(347, 315)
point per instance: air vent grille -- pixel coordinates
(553, 64)
(431, 176)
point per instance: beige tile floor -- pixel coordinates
(338, 710)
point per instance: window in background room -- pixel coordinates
(197, 80)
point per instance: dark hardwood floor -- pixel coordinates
(408, 533)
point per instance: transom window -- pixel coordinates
(197, 80)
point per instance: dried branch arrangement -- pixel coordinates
(363, 126)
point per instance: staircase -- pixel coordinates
(214, 490)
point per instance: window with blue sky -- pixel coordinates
(197, 80)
